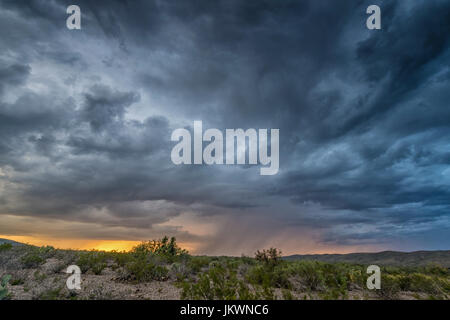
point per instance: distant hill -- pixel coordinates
(385, 258)
(14, 243)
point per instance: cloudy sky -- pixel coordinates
(86, 118)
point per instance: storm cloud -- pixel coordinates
(86, 117)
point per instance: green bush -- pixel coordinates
(144, 270)
(258, 275)
(121, 258)
(35, 256)
(46, 251)
(444, 284)
(404, 282)
(145, 261)
(196, 264)
(164, 248)
(287, 294)
(280, 278)
(390, 286)
(423, 283)
(5, 246)
(334, 294)
(269, 257)
(219, 282)
(17, 281)
(93, 260)
(50, 294)
(310, 274)
(437, 270)
(269, 276)
(4, 294)
(32, 260)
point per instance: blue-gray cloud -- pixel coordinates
(86, 116)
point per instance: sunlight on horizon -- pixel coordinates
(76, 244)
(80, 244)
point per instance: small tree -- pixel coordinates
(163, 247)
(270, 257)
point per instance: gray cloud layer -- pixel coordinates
(86, 118)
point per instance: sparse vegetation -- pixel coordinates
(147, 261)
(92, 260)
(174, 273)
(35, 256)
(5, 246)
(51, 294)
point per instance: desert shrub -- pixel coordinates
(50, 294)
(4, 294)
(265, 292)
(444, 284)
(423, 283)
(38, 276)
(46, 251)
(232, 263)
(17, 281)
(145, 261)
(66, 257)
(165, 248)
(259, 275)
(268, 270)
(270, 256)
(310, 274)
(245, 292)
(390, 286)
(335, 276)
(179, 271)
(93, 260)
(392, 270)
(99, 293)
(404, 282)
(265, 276)
(35, 256)
(32, 260)
(358, 276)
(5, 246)
(141, 269)
(280, 278)
(287, 294)
(248, 260)
(437, 270)
(121, 258)
(197, 263)
(334, 294)
(219, 282)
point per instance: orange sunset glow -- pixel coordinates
(83, 244)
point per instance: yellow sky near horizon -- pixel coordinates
(83, 244)
(77, 244)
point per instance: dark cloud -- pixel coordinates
(86, 117)
(104, 107)
(13, 75)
